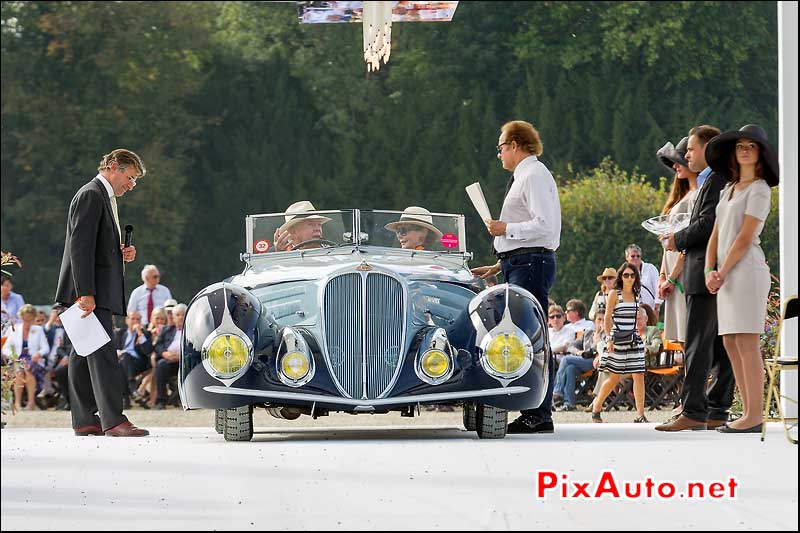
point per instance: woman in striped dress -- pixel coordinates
(627, 358)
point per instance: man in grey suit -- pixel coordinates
(92, 274)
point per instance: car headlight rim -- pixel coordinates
(506, 355)
(435, 364)
(292, 361)
(226, 355)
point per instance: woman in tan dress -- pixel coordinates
(736, 270)
(680, 201)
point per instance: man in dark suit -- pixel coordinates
(134, 347)
(92, 274)
(702, 408)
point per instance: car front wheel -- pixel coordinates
(238, 423)
(469, 416)
(491, 422)
(219, 420)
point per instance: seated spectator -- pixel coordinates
(148, 295)
(169, 305)
(10, 301)
(572, 366)
(54, 332)
(576, 315)
(650, 333)
(29, 343)
(168, 354)
(158, 324)
(133, 348)
(607, 280)
(561, 335)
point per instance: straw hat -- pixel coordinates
(418, 216)
(294, 214)
(607, 272)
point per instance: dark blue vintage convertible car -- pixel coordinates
(361, 318)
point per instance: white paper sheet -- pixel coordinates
(479, 201)
(86, 334)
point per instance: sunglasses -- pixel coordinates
(628, 275)
(556, 316)
(500, 147)
(607, 278)
(405, 230)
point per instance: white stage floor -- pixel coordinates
(389, 478)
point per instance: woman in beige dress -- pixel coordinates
(736, 270)
(680, 201)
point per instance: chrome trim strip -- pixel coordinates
(401, 400)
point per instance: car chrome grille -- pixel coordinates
(364, 332)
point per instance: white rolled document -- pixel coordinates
(479, 201)
(86, 334)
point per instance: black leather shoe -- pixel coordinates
(727, 429)
(160, 406)
(529, 425)
(126, 404)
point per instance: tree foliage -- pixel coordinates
(236, 108)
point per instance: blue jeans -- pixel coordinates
(536, 273)
(570, 368)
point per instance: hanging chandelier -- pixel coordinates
(377, 30)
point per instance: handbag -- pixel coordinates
(624, 336)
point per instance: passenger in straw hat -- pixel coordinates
(300, 227)
(415, 229)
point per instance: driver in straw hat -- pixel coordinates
(300, 228)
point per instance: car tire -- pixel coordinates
(491, 422)
(238, 423)
(470, 416)
(219, 420)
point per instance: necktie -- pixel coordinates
(116, 214)
(149, 304)
(509, 184)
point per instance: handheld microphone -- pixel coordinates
(128, 233)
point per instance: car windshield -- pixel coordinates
(307, 230)
(414, 229)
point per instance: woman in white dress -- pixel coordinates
(736, 270)
(680, 201)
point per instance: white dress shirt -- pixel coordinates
(649, 280)
(531, 209)
(139, 297)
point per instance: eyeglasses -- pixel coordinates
(500, 147)
(405, 230)
(556, 316)
(608, 278)
(634, 256)
(628, 275)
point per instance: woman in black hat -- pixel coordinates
(736, 269)
(680, 201)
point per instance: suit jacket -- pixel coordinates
(164, 340)
(143, 349)
(694, 238)
(92, 261)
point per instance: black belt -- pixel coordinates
(520, 251)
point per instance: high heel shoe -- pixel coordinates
(640, 420)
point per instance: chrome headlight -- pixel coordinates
(295, 362)
(226, 355)
(434, 364)
(507, 355)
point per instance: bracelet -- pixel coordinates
(708, 269)
(677, 284)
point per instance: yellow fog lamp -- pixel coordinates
(295, 365)
(435, 364)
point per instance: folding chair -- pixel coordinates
(668, 376)
(584, 386)
(774, 365)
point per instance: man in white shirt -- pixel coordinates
(649, 277)
(149, 295)
(526, 238)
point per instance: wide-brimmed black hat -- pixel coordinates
(669, 155)
(720, 148)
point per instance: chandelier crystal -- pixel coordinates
(377, 30)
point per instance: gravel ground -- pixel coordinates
(174, 417)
